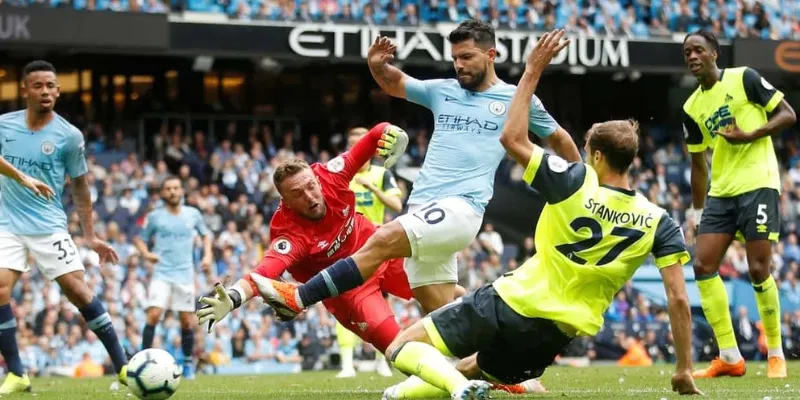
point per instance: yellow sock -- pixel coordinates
(416, 388)
(769, 307)
(716, 307)
(347, 342)
(424, 361)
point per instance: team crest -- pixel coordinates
(557, 164)
(48, 148)
(282, 246)
(336, 165)
(497, 108)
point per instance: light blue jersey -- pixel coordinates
(174, 242)
(465, 151)
(47, 155)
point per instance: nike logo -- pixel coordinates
(450, 99)
(70, 261)
(176, 376)
(10, 140)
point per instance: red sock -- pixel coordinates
(383, 335)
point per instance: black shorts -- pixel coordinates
(753, 215)
(511, 348)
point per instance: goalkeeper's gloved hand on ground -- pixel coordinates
(214, 306)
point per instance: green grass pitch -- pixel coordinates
(606, 382)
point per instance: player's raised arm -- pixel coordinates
(390, 78)
(386, 139)
(515, 131)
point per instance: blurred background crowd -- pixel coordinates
(231, 183)
(770, 19)
(227, 172)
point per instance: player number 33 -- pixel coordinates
(65, 249)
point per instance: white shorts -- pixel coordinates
(171, 296)
(437, 231)
(54, 255)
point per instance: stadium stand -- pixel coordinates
(775, 19)
(231, 183)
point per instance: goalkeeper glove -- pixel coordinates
(217, 305)
(392, 145)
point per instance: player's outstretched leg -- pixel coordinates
(469, 368)
(413, 353)
(16, 380)
(388, 242)
(759, 259)
(74, 287)
(714, 298)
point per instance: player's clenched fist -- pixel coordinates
(392, 145)
(547, 47)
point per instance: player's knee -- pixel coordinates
(389, 241)
(704, 265)
(393, 348)
(469, 367)
(759, 269)
(5, 293)
(187, 320)
(154, 315)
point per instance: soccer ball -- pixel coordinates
(153, 374)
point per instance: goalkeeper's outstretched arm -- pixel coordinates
(218, 304)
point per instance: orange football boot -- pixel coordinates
(776, 368)
(721, 368)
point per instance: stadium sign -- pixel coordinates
(65, 28)
(424, 46)
(325, 41)
(768, 55)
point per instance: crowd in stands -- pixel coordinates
(230, 182)
(768, 19)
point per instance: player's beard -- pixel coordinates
(174, 201)
(475, 82)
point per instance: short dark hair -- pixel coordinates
(288, 169)
(617, 140)
(169, 178)
(479, 31)
(708, 36)
(38, 66)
